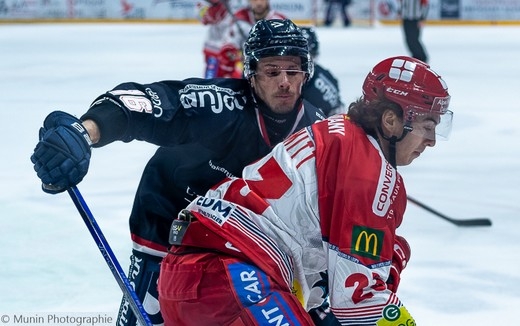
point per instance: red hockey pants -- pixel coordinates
(207, 288)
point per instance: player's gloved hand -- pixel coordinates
(228, 58)
(323, 316)
(400, 258)
(61, 157)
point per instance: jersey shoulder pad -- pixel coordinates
(313, 112)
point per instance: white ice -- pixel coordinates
(456, 276)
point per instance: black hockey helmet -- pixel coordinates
(312, 39)
(276, 37)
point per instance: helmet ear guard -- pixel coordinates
(276, 37)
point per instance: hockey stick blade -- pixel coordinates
(110, 258)
(466, 222)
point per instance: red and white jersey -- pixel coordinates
(324, 200)
(244, 21)
(219, 22)
(225, 28)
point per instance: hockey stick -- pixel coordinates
(106, 251)
(468, 222)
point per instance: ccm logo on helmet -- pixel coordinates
(396, 91)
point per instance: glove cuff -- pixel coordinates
(59, 118)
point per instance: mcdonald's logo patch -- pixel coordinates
(367, 242)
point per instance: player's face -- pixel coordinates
(260, 8)
(278, 82)
(415, 142)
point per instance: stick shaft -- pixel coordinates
(467, 222)
(108, 254)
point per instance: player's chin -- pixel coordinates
(410, 158)
(283, 106)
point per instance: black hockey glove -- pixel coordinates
(61, 157)
(322, 316)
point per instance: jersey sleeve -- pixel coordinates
(165, 113)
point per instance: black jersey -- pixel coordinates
(323, 91)
(208, 129)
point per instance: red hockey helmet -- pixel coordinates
(414, 86)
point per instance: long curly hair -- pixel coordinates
(368, 114)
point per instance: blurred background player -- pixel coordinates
(256, 10)
(323, 89)
(333, 6)
(413, 13)
(227, 34)
(222, 59)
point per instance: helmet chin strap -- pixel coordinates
(392, 141)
